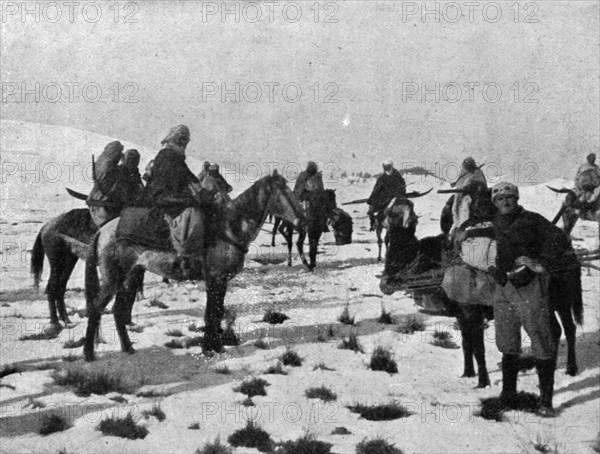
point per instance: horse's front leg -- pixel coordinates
(216, 287)
(289, 235)
(313, 243)
(379, 242)
(95, 311)
(300, 246)
(274, 231)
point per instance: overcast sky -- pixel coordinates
(361, 68)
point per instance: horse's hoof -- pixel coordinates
(89, 357)
(129, 350)
(468, 374)
(546, 412)
(483, 385)
(572, 371)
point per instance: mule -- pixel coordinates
(64, 241)
(121, 263)
(320, 204)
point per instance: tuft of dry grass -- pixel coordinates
(155, 302)
(410, 324)
(322, 366)
(351, 343)
(223, 370)
(345, 316)
(52, 423)
(383, 359)
(493, 408)
(123, 427)
(274, 318)
(323, 393)
(306, 444)
(376, 446)
(89, 381)
(276, 369)
(385, 317)
(214, 448)
(252, 436)
(261, 343)
(174, 333)
(384, 412)
(443, 339)
(156, 411)
(291, 358)
(253, 387)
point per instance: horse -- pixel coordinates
(380, 221)
(574, 208)
(320, 204)
(122, 262)
(64, 241)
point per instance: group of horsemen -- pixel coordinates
(529, 247)
(170, 190)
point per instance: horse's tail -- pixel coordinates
(37, 260)
(92, 283)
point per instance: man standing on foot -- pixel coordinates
(530, 249)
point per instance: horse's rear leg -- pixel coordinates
(69, 263)
(570, 333)
(94, 318)
(300, 246)
(313, 244)
(467, 343)
(379, 243)
(213, 315)
(477, 337)
(53, 289)
(289, 234)
(121, 313)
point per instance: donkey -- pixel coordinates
(121, 262)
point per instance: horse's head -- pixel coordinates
(282, 202)
(400, 214)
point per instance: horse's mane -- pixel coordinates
(243, 202)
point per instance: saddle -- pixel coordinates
(146, 227)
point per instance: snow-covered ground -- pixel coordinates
(185, 383)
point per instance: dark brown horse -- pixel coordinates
(320, 204)
(122, 263)
(64, 241)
